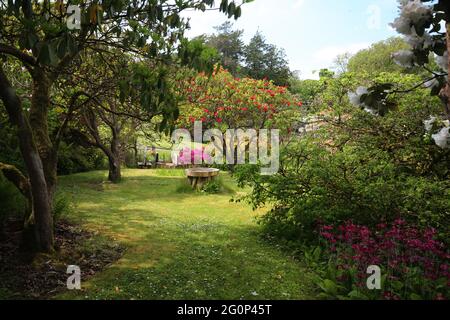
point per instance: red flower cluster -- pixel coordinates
(233, 101)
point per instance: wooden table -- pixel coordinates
(198, 177)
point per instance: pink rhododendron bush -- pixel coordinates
(188, 156)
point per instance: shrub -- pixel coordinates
(365, 168)
(216, 186)
(62, 206)
(11, 200)
(73, 159)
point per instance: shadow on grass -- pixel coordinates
(181, 246)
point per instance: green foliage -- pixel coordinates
(12, 202)
(216, 186)
(378, 58)
(63, 206)
(229, 44)
(356, 166)
(266, 61)
(73, 158)
(197, 55)
(306, 90)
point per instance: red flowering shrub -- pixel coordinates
(413, 263)
(223, 102)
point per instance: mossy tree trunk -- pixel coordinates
(40, 105)
(43, 219)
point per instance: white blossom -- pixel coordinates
(371, 111)
(442, 61)
(442, 138)
(418, 42)
(431, 84)
(355, 97)
(429, 123)
(411, 13)
(404, 58)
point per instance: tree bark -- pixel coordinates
(115, 174)
(40, 104)
(113, 152)
(43, 227)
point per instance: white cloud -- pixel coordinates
(326, 55)
(324, 58)
(298, 4)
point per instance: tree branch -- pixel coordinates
(25, 58)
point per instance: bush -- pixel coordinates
(216, 186)
(62, 206)
(365, 168)
(73, 159)
(11, 200)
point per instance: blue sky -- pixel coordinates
(313, 32)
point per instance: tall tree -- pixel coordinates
(229, 44)
(263, 60)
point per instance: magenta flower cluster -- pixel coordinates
(188, 156)
(398, 248)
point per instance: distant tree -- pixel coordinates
(229, 44)
(377, 58)
(325, 73)
(263, 60)
(340, 64)
(306, 90)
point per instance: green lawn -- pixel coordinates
(179, 245)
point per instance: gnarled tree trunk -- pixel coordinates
(43, 226)
(40, 104)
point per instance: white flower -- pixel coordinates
(417, 42)
(355, 97)
(404, 58)
(442, 138)
(371, 111)
(431, 84)
(442, 61)
(429, 123)
(411, 13)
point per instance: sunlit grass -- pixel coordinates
(180, 245)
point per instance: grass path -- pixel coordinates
(180, 246)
